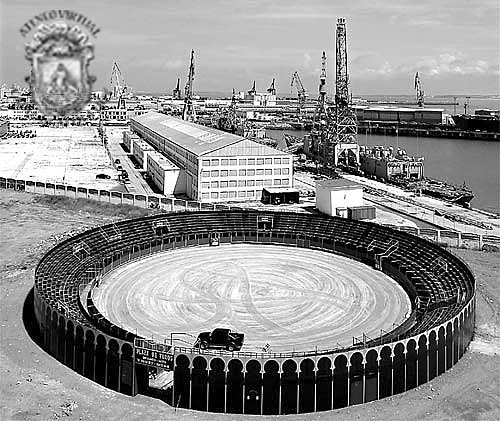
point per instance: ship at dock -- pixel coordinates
(402, 170)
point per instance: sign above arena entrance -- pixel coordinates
(153, 354)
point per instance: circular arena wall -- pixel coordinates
(440, 287)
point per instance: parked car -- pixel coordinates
(220, 339)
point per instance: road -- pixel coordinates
(137, 184)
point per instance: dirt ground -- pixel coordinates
(34, 386)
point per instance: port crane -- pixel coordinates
(188, 113)
(176, 92)
(321, 117)
(333, 139)
(252, 91)
(321, 113)
(419, 93)
(119, 88)
(272, 90)
(343, 146)
(301, 91)
(466, 104)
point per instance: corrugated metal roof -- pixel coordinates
(247, 147)
(201, 140)
(193, 137)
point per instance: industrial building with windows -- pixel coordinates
(164, 174)
(215, 166)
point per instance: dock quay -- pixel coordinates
(411, 130)
(433, 211)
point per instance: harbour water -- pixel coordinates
(453, 160)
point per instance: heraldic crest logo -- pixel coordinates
(60, 55)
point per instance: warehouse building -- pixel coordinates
(129, 139)
(215, 166)
(400, 114)
(140, 150)
(164, 174)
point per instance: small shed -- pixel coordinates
(279, 195)
(335, 196)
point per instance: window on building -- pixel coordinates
(241, 194)
(277, 182)
(223, 184)
(277, 171)
(223, 195)
(269, 161)
(205, 195)
(259, 182)
(205, 173)
(250, 172)
(215, 162)
(251, 183)
(260, 161)
(223, 173)
(285, 181)
(206, 162)
(224, 162)
(260, 172)
(268, 171)
(232, 194)
(242, 172)
(277, 160)
(214, 195)
(214, 173)
(233, 162)
(242, 183)
(250, 193)
(205, 185)
(214, 184)
(251, 161)
(233, 173)
(233, 183)
(268, 182)
(286, 160)
(285, 171)
(242, 162)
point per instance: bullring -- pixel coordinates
(431, 340)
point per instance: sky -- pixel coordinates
(453, 44)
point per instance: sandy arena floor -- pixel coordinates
(292, 299)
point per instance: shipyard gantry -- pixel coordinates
(333, 140)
